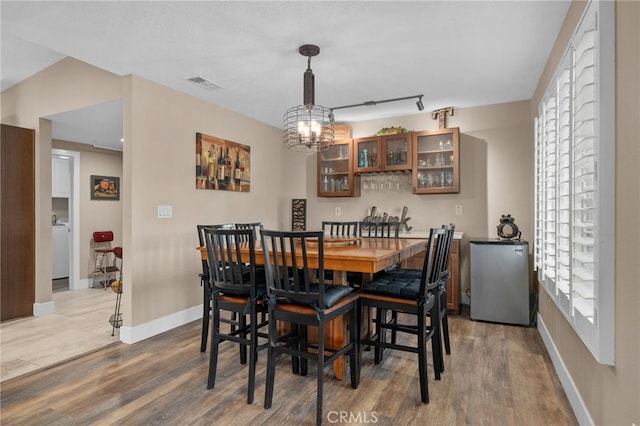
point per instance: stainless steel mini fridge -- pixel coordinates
(500, 281)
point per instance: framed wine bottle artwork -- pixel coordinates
(222, 164)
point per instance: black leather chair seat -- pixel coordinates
(404, 274)
(394, 287)
(332, 294)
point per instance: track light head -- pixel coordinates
(419, 104)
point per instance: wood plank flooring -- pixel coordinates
(79, 325)
(496, 375)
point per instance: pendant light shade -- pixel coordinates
(309, 127)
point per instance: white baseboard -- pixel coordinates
(144, 331)
(578, 405)
(43, 309)
(80, 284)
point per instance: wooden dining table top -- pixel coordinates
(367, 255)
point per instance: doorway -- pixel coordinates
(72, 218)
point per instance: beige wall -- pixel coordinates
(160, 124)
(496, 177)
(610, 394)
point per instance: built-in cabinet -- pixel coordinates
(432, 157)
(436, 161)
(60, 178)
(382, 153)
(335, 171)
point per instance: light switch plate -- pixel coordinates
(459, 210)
(165, 212)
(338, 211)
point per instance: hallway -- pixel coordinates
(79, 326)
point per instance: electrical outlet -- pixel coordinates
(338, 211)
(165, 212)
(459, 210)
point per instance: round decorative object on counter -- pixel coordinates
(507, 228)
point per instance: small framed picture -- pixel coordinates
(105, 187)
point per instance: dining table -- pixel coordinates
(344, 254)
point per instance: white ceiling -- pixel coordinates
(456, 53)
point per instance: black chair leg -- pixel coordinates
(253, 353)
(242, 320)
(213, 355)
(445, 333)
(319, 396)
(304, 362)
(271, 362)
(436, 345)
(381, 315)
(206, 309)
(354, 354)
(422, 358)
(295, 361)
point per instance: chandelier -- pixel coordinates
(309, 127)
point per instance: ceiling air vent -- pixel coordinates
(204, 83)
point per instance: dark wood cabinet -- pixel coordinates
(382, 153)
(436, 161)
(335, 171)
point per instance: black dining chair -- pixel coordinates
(235, 289)
(206, 287)
(379, 229)
(442, 288)
(346, 229)
(295, 297)
(343, 229)
(256, 227)
(409, 296)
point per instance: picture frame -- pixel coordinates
(105, 188)
(222, 165)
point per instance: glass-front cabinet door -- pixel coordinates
(436, 161)
(397, 151)
(335, 171)
(382, 153)
(367, 155)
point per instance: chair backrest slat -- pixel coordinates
(379, 229)
(347, 229)
(256, 227)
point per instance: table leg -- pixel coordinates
(338, 330)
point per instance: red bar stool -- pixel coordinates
(104, 258)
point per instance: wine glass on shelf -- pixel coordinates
(449, 179)
(429, 180)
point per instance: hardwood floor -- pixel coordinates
(79, 325)
(496, 375)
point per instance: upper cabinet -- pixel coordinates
(436, 161)
(60, 178)
(335, 171)
(382, 153)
